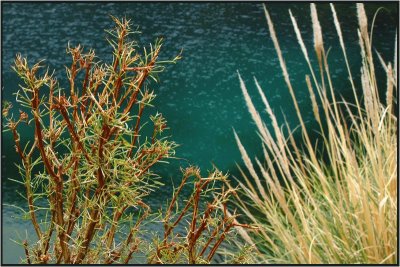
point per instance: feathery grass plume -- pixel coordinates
(285, 73)
(318, 43)
(361, 44)
(313, 101)
(362, 21)
(277, 48)
(368, 97)
(336, 209)
(250, 167)
(337, 26)
(299, 38)
(320, 88)
(386, 68)
(363, 27)
(303, 48)
(271, 114)
(253, 112)
(281, 153)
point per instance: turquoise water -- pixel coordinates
(200, 96)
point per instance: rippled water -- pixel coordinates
(200, 96)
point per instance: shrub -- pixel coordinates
(205, 217)
(89, 164)
(341, 208)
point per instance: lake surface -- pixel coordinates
(200, 96)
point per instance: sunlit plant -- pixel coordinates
(88, 166)
(336, 204)
(204, 216)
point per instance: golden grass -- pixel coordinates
(341, 209)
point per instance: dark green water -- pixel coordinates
(200, 96)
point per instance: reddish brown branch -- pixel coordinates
(75, 188)
(72, 131)
(219, 241)
(90, 230)
(117, 215)
(17, 141)
(28, 258)
(136, 131)
(49, 234)
(172, 204)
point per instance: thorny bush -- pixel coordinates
(95, 163)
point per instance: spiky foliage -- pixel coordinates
(203, 215)
(90, 165)
(341, 208)
(88, 162)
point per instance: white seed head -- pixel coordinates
(318, 42)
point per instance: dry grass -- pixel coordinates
(340, 209)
